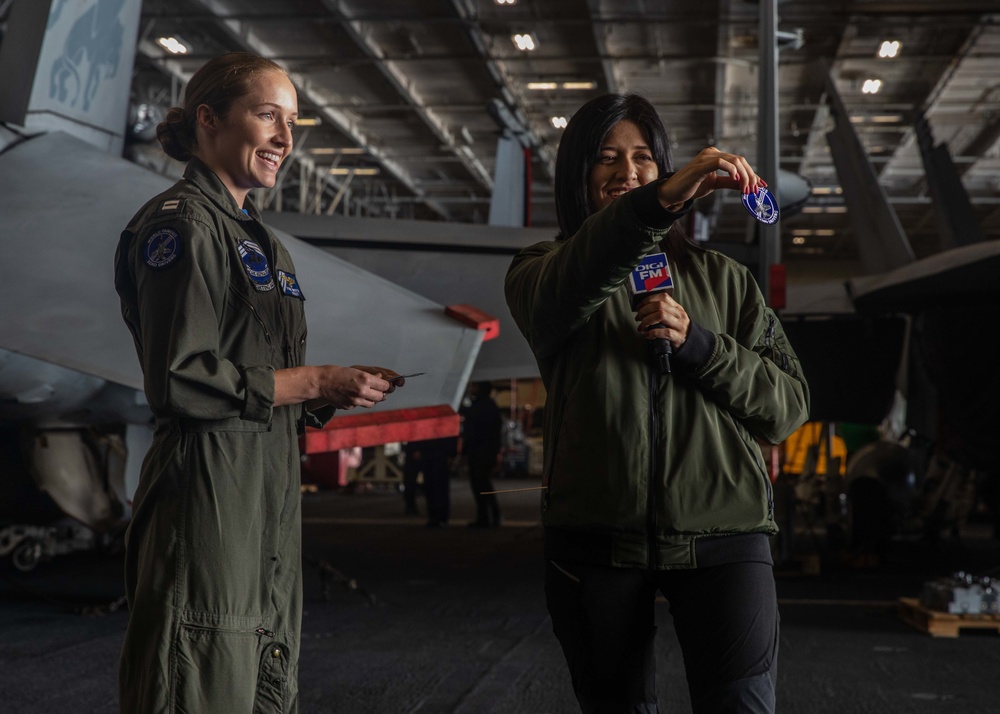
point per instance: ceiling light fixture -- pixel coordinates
(525, 42)
(825, 209)
(889, 49)
(358, 171)
(542, 85)
(505, 2)
(174, 45)
(346, 151)
(579, 85)
(308, 121)
(559, 122)
(871, 86)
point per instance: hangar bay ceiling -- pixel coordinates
(410, 98)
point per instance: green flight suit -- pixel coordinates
(213, 552)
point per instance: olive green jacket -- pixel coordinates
(638, 467)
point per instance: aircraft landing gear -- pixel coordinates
(27, 546)
(27, 555)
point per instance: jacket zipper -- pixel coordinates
(768, 340)
(767, 484)
(253, 310)
(770, 495)
(259, 631)
(550, 457)
(651, 495)
(548, 477)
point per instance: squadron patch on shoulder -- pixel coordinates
(256, 265)
(163, 248)
(289, 285)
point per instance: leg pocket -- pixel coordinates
(272, 680)
(215, 669)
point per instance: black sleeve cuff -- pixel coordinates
(696, 350)
(317, 418)
(646, 203)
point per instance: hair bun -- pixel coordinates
(174, 136)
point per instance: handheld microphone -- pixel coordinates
(649, 277)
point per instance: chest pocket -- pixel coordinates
(267, 286)
(252, 282)
(256, 264)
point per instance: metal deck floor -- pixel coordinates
(456, 622)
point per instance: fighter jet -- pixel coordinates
(73, 419)
(911, 344)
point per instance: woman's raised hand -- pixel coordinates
(710, 170)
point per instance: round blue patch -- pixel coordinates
(163, 248)
(762, 206)
(256, 265)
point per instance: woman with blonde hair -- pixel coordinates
(210, 295)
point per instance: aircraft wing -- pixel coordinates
(64, 205)
(445, 262)
(954, 276)
(828, 297)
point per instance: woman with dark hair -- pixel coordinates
(210, 295)
(654, 482)
(577, 155)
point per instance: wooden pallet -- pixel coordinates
(943, 624)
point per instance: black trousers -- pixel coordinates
(726, 618)
(482, 465)
(411, 473)
(437, 489)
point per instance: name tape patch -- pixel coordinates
(289, 285)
